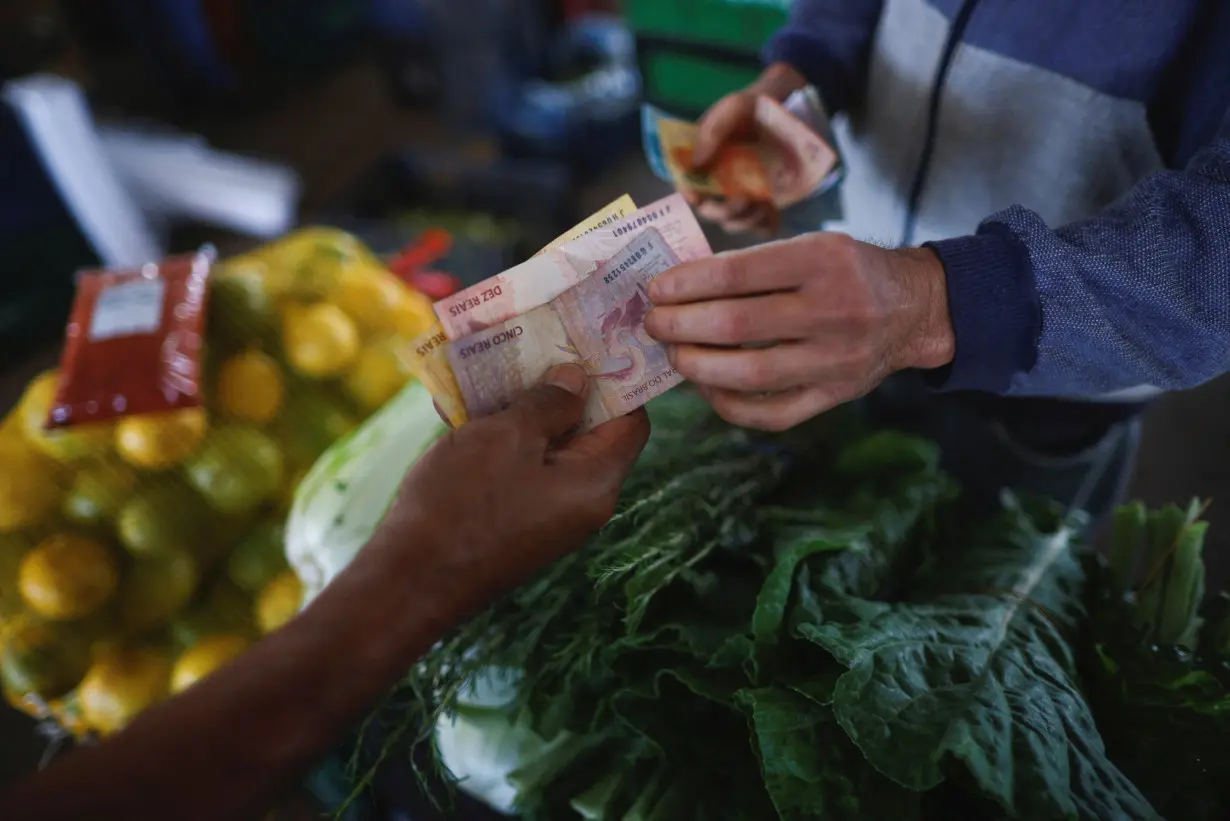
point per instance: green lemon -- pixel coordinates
(259, 557)
(238, 469)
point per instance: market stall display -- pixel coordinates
(141, 537)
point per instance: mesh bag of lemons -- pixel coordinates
(137, 557)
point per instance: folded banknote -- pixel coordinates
(426, 354)
(792, 161)
(598, 324)
(544, 277)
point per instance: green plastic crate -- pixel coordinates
(742, 25)
(686, 83)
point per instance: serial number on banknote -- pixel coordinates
(633, 258)
(641, 221)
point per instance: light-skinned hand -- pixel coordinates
(776, 334)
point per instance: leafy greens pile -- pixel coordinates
(780, 627)
(1159, 665)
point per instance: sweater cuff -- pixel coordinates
(798, 50)
(996, 315)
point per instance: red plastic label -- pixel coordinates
(134, 341)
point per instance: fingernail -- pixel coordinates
(570, 378)
(670, 355)
(659, 290)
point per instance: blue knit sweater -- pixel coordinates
(1068, 161)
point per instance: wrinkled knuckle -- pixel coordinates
(733, 324)
(660, 322)
(756, 373)
(728, 275)
(840, 248)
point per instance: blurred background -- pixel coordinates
(132, 129)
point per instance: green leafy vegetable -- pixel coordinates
(350, 487)
(799, 616)
(666, 643)
(1157, 662)
(811, 769)
(976, 668)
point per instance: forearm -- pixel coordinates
(1133, 297)
(232, 743)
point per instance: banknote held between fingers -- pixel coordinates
(730, 119)
(839, 316)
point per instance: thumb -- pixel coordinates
(729, 118)
(556, 406)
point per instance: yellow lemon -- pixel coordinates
(279, 601)
(320, 340)
(203, 658)
(10, 427)
(309, 263)
(377, 375)
(160, 440)
(371, 297)
(120, 684)
(414, 314)
(65, 444)
(29, 486)
(251, 387)
(67, 577)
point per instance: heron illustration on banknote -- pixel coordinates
(624, 338)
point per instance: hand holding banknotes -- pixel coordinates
(732, 119)
(512, 492)
(776, 334)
